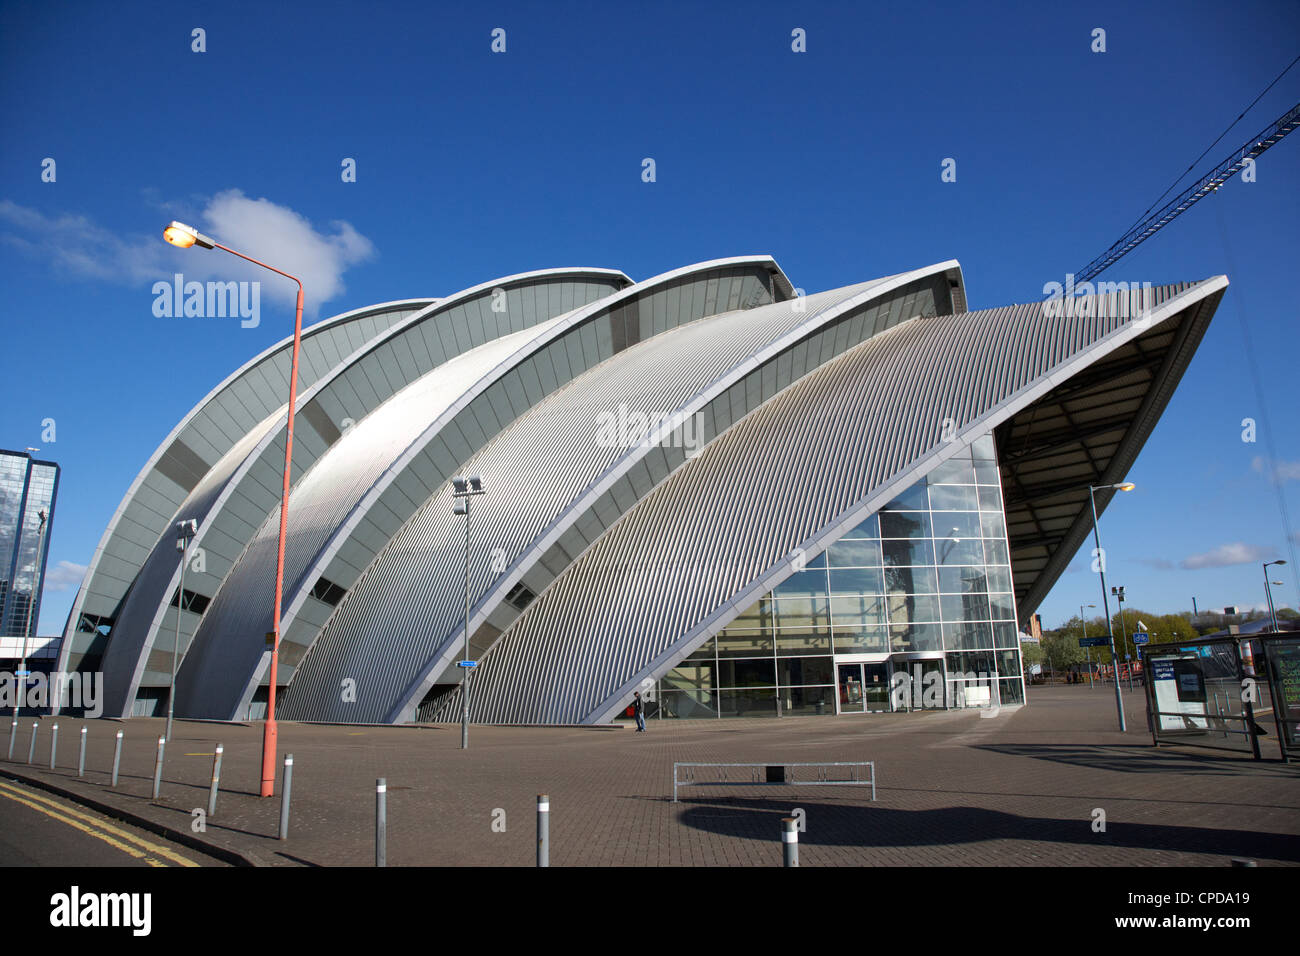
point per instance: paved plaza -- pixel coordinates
(954, 789)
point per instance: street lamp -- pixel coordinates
(1086, 649)
(1124, 638)
(1105, 599)
(183, 236)
(185, 532)
(463, 489)
(27, 628)
(1272, 611)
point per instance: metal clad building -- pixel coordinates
(741, 501)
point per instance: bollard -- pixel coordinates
(543, 829)
(31, 751)
(157, 767)
(790, 840)
(81, 757)
(117, 757)
(54, 744)
(13, 733)
(284, 796)
(381, 821)
(216, 781)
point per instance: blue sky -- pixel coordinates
(473, 164)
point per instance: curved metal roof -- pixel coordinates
(816, 459)
(543, 361)
(368, 373)
(222, 418)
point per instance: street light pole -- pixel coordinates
(27, 627)
(1087, 650)
(179, 234)
(185, 531)
(463, 489)
(1105, 598)
(1268, 589)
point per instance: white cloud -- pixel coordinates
(1280, 473)
(1226, 555)
(64, 575)
(259, 228)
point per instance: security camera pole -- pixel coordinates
(1105, 598)
(183, 236)
(463, 489)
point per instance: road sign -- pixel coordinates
(1140, 638)
(1093, 641)
(467, 663)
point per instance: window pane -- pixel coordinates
(968, 636)
(904, 553)
(962, 580)
(1005, 635)
(855, 554)
(865, 640)
(965, 551)
(996, 551)
(953, 471)
(956, 524)
(748, 703)
(857, 581)
(1003, 607)
(805, 583)
(990, 498)
(915, 637)
(911, 581)
(982, 448)
(913, 607)
(804, 670)
(1012, 691)
(738, 643)
(688, 704)
(868, 529)
(992, 525)
(808, 700)
(905, 524)
(999, 578)
(804, 641)
(986, 473)
(913, 499)
(954, 498)
(1008, 663)
(759, 672)
(858, 611)
(704, 652)
(965, 607)
(802, 612)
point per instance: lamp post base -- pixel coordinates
(268, 758)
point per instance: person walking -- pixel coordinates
(638, 706)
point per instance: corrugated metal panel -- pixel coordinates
(818, 457)
(396, 630)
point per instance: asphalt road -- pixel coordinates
(40, 829)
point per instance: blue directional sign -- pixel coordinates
(1093, 641)
(1140, 638)
(467, 663)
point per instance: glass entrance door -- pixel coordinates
(876, 687)
(852, 699)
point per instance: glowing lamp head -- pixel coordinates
(1126, 486)
(183, 236)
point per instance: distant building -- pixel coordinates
(28, 488)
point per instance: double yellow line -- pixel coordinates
(138, 847)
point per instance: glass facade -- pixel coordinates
(912, 609)
(27, 487)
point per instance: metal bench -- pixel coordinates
(775, 775)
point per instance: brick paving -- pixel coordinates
(953, 789)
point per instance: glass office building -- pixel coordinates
(28, 488)
(704, 485)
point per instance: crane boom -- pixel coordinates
(1190, 196)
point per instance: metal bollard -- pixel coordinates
(157, 767)
(117, 757)
(790, 840)
(81, 757)
(216, 782)
(54, 744)
(13, 733)
(381, 821)
(286, 783)
(543, 829)
(31, 751)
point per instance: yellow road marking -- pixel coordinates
(92, 826)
